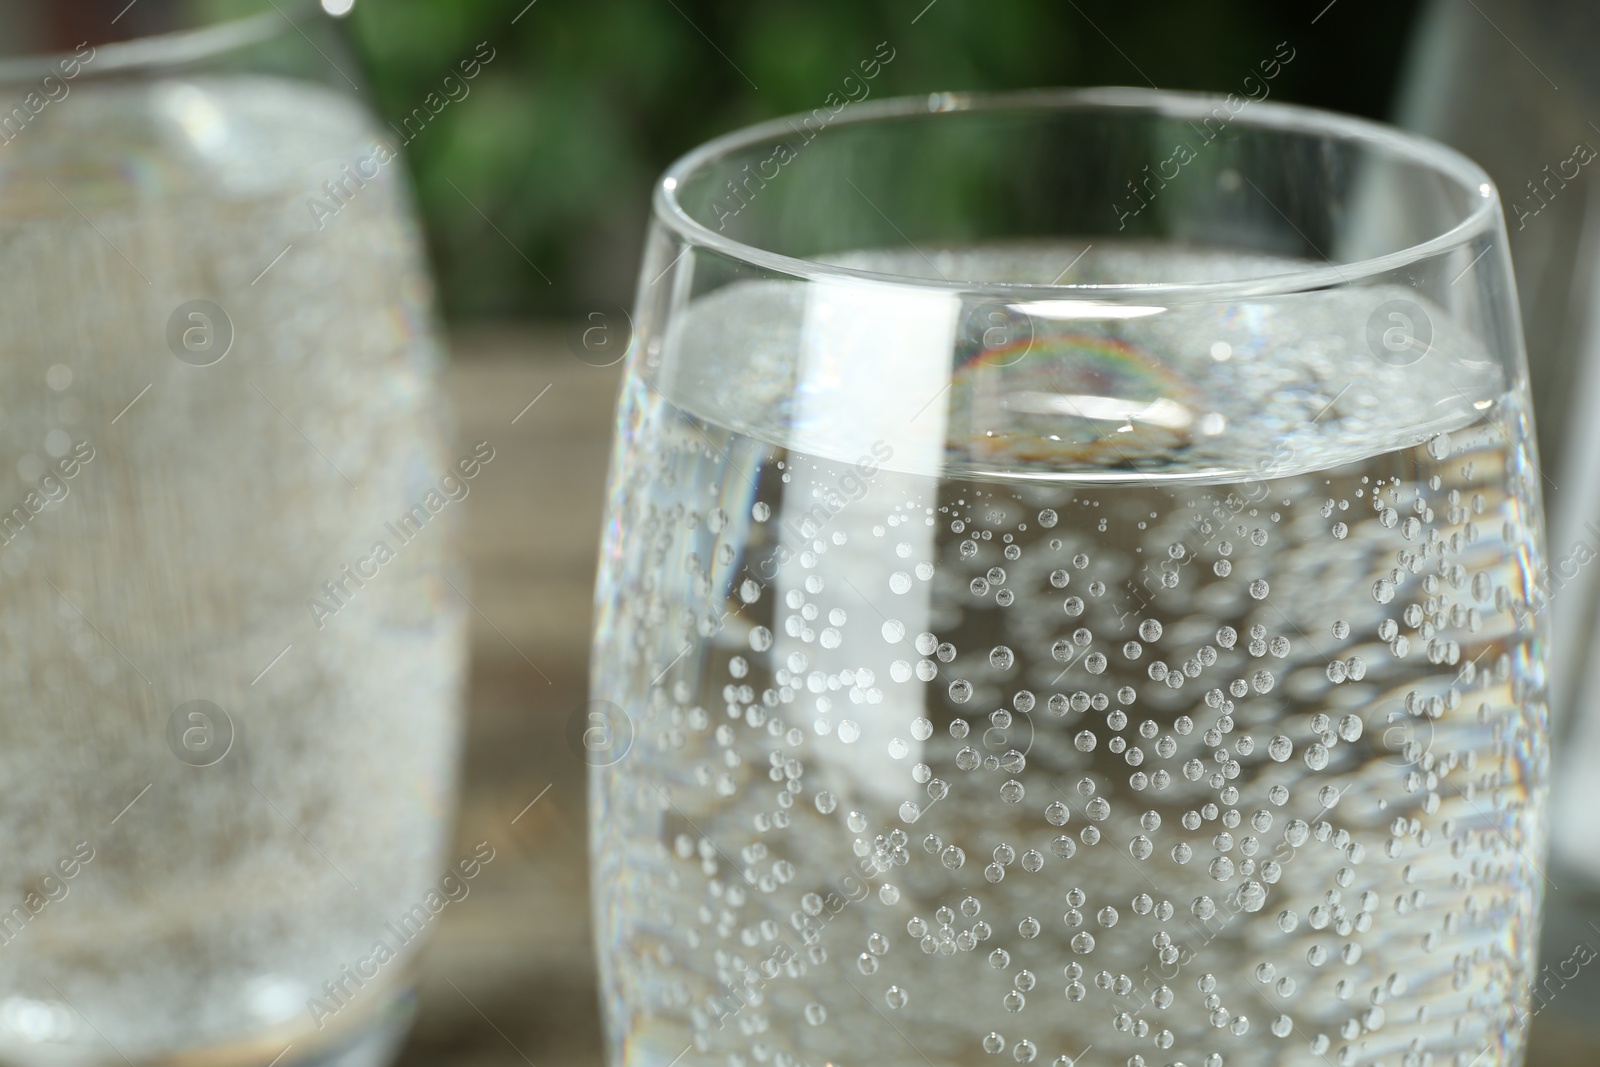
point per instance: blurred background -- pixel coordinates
(534, 188)
(533, 177)
(585, 104)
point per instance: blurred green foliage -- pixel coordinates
(558, 138)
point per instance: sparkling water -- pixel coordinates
(216, 796)
(1210, 736)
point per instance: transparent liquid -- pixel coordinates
(1164, 766)
(216, 901)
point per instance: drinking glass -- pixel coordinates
(1065, 598)
(230, 718)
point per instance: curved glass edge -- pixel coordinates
(229, 34)
(1485, 218)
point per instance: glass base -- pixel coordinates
(370, 1038)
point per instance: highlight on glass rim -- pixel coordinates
(674, 535)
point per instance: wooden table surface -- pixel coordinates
(510, 976)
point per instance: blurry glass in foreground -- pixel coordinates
(1066, 588)
(1515, 86)
(231, 657)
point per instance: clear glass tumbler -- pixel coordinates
(1066, 598)
(231, 654)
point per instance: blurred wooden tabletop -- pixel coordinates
(509, 978)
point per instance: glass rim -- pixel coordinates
(1484, 215)
(173, 48)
